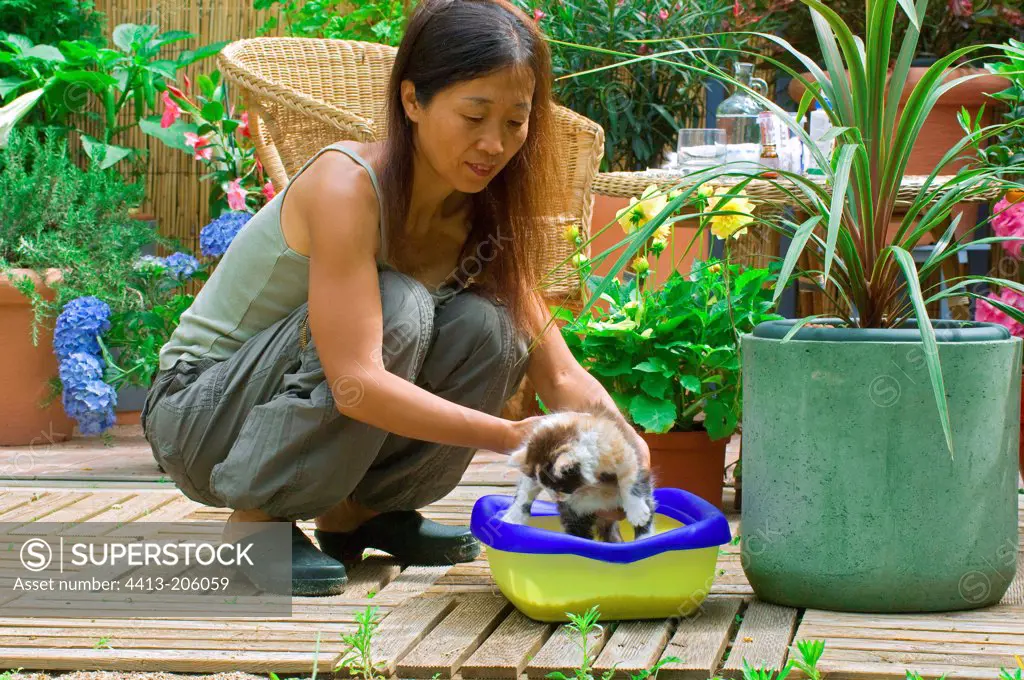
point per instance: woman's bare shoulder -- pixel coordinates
(335, 195)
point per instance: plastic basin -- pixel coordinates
(546, 573)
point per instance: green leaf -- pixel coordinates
(652, 365)
(206, 85)
(654, 415)
(106, 155)
(173, 136)
(164, 67)
(124, 35)
(656, 385)
(18, 42)
(94, 80)
(931, 348)
(47, 53)
(719, 419)
(836, 210)
(213, 112)
(192, 56)
(691, 383)
(10, 84)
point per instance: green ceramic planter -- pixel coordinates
(850, 499)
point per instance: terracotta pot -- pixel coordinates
(690, 461)
(25, 369)
(941, 129)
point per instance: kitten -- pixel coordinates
(588, 462)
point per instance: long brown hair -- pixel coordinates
(451, 41)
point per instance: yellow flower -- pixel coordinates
(715, 268)
(658, 247)
(579, 259)
(640, 265)
(641, 211)
(662, 233)
(572, 233)
(705, 190)
(724, 226)
(1020, 661)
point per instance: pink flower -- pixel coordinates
(172, 111)
(201, 146)
(268, 190)
(1013, 16)
(961, 8)
(236, 195)
(737, 9)
(1008, 220)
(663, 14)
(243, 128)
(643, 15)
(992, 314)
(538, 15)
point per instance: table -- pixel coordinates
(626, 184)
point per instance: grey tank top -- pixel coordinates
(258, 281)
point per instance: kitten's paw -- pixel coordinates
(516, 514)
(638, 513)
(643, 531)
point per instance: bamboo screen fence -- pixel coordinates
(175, 197)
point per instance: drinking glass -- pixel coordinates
(700, 148)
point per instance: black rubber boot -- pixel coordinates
(313, 574)
(405, 534)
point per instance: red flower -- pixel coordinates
(243, 128)
(172, 111)
(961, 8)
(538, 15)
(268, 190)
(236, 195)
(1013, 16)
(188, 84)
(201, 146)
(737, 9)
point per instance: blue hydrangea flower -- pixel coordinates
(215, 237)
(86, 398)
(149, 263)
(182, 265)
(79, 324)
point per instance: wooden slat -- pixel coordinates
(10, 499)
(455, 638)
(1015, 595)
(170, 660)
(701, 639)
(635, 646)
(93, 504)
(1008, 618)
(46, 504)
(860, 670)
(838, 633)
(763, 638)
(912, 659)
(133, 508)
(404, 627)
(562, 653)
(509, 648)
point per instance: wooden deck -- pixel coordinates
(453, 621)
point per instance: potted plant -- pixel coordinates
(948, 24)
(880, 451)
(668, 354)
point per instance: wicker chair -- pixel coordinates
(303, 94)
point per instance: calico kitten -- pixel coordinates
(588, 462)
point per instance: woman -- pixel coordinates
(341, 363)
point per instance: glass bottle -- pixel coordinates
(737, 115)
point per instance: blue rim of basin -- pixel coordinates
(705, 526)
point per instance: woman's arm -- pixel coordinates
(336, 202)
(560, 381)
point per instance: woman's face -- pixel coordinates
(471, 130)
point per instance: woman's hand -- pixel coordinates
(518, 433)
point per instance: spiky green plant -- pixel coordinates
(872, 268)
